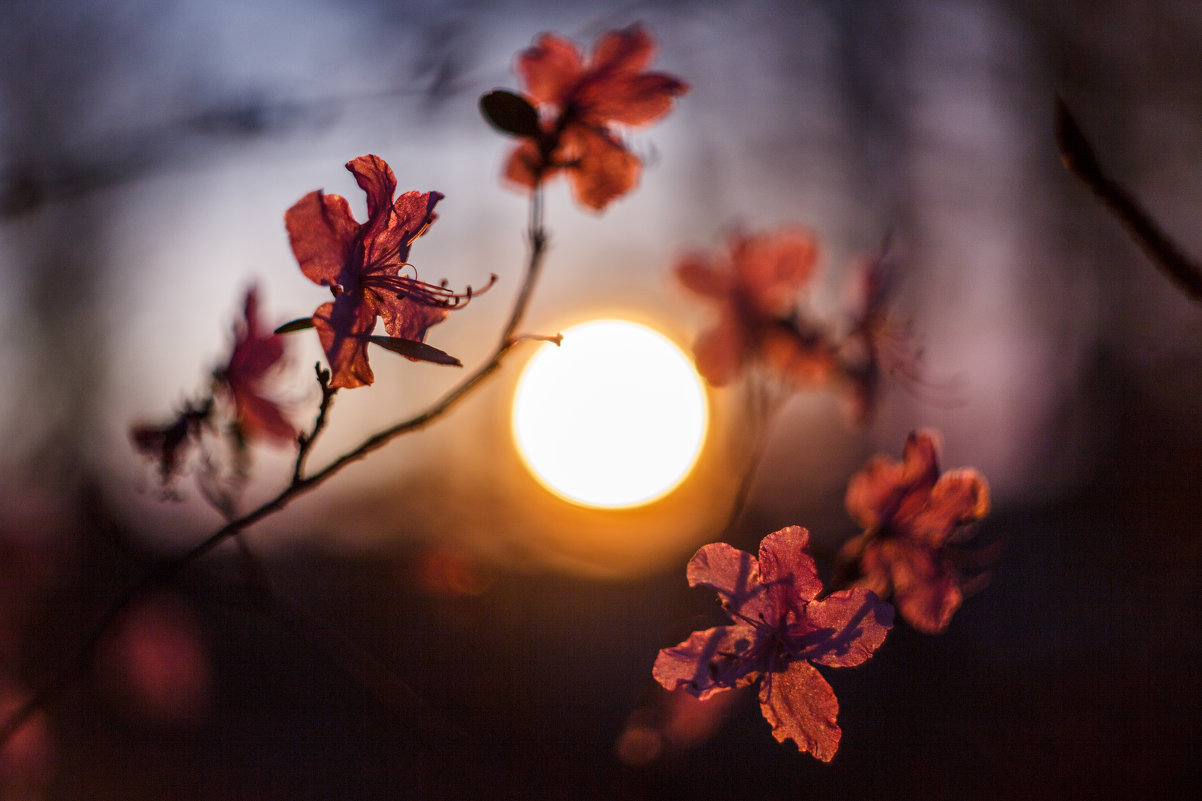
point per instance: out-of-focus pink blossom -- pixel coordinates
(257, 352)
(585, 100)
(913, 516)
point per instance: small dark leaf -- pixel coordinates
(510, 113)
(295, 325)
(413, 349)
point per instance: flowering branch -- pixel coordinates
(300, 483)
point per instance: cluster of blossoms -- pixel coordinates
(783, 627)
(756, 287)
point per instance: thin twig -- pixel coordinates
(299, 485)
(1079, 159)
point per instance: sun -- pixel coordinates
(613, 417)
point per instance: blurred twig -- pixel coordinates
(1079, 159)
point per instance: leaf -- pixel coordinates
(510, 113)
(295, 325)
(412, 349)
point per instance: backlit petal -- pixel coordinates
(550, 69)
(631, 99)
(377, 179)
(407, 318)
(959, 497)
(774, 267)
(925, 589)
(734, 575)
(322, 233)
(603, 169)
(343, 327)
(858, 621)
(707, 662)
(787, 570)
(800, 706)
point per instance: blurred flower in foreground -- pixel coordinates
(781, 630)
(756, 289)
(584, 100)
(237, 409)
(256, 353)
(670, 723)
(913, 518)
(361, 265)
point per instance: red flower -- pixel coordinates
(781, 631)
(256, 353)
(913, 516)
(361, 265)
(586, 99)
(756, 291)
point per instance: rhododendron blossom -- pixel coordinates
(256, 353)
(781, 630)
(755, 289)
(361, 264)
(913, 516)
(584, 99)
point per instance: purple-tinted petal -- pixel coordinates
(344, 327)
(800, 706)
(322, 233)
(625, 51)
(551, 68)
(921, 458)
(525, 166)
(857, 622)
(873, 492)
(708, 661)
(773, 267)
(734, 575)
(787, 570)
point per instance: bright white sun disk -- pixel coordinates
(613, 417)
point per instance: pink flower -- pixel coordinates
(755, 290)
(361, 264)
(913, 517)
(781, 630)
(256, 353)
(585, 99)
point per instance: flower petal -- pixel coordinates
(407, 318)
(872, 493)
(525, 166)
(926, 589)
(959, 497)
(628, 50)
(734, 575)
(800, 706)
(377, 179)
(708, 661)
(721, 351)
(696, 274)
(322, 233)
(630, 99)
(774, 266)
(344, 327)
(603, 169)
(858, 621)
(787, 570)
(551, 68)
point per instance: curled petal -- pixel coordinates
(344, 326)
(787, 570)
(322, 233)
(921, 458)
(800, 706)
(551, 69)
(603, 169)
(378, 181)
(858, 621)
(708, 661)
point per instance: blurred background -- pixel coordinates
(438, 625)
